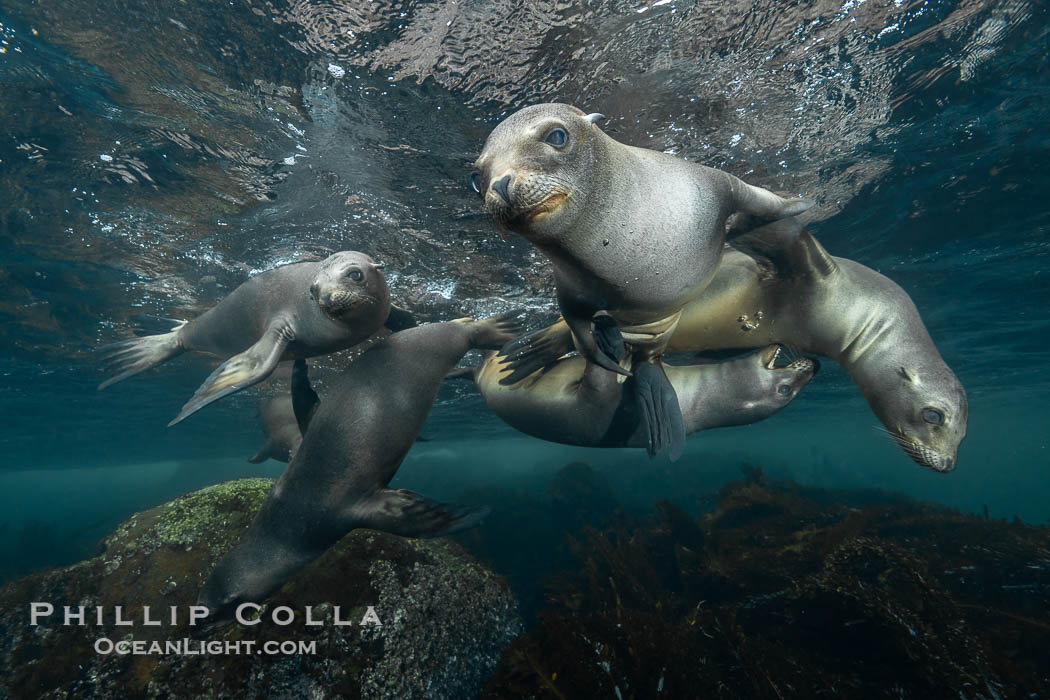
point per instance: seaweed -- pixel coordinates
(783, 591)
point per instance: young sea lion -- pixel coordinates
(631, 232)
(298, 310)
(352, 446)
(575, 402)
(788, 289)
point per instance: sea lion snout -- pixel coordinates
(500, 187)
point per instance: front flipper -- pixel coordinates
(763, 203)
(408, 514)
(584, 333)
(661, 414)
(534, 351)
(608, 338)
(400, 319)
(250, 367)
(304, 398)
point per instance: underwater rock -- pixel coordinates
(786, 592)
(444, 617)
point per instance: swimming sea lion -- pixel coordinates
(280, 428)
(631, 232)
(788, 289)
(352, 447)
(575, 402)
(299, 310)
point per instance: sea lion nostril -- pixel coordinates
(500, 187)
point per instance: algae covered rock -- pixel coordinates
(377, 616)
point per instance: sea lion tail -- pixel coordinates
(763, 203)
(408, 514)
(129, 357)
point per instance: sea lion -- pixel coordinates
(352, 446)
(299, 310)
(631, 232)
(280, 429)
(787, 289)
(280, 422)
(575, 402)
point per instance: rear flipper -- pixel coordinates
(148, 324)
(250, 367)
(408, 514)
(304, 399)
(129, 357)
(494, 332)
(269, 450)
(660, 412)
(534, 351)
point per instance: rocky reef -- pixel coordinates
(444, 617)
(782, 592)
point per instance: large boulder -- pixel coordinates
(444, 617)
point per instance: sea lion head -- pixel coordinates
(925, 413)
(349, 285)
(248, 574)
(536, 169)
(780, 374)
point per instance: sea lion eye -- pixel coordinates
(356, 275)
(932, 415)
(784, 389)
(556, 137)
(475, 181)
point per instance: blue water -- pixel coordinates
(153, 156)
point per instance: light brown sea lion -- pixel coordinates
(788, 289)
(632, 233)
(575, 402)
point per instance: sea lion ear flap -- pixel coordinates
(907, 374)
(594, 117)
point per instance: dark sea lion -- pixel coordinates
(788, 289)
(631, 232)
(575, 402)
(353, 444)
(280, 428)
(298, 310)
